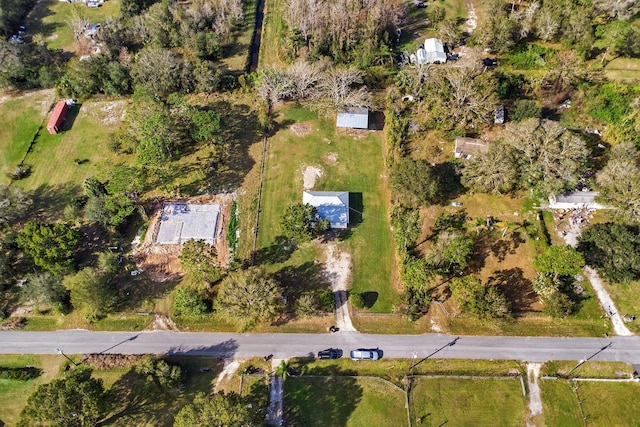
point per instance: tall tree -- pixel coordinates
(414, 183)
(301, 222)
(91, 292)
(75, 400)
(550, 157)
(249, 296)
(477, 299)
(559, 261)
(619, 182)
(51, 246)
(43, 289)
(613, 249)
(200, 260)
(217, 409)
(450, 252)
(492, 171)
(14, 205)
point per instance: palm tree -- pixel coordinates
(282, 370)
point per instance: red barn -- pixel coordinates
(59, 113)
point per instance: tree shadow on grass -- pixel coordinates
(322, 401)
(279, 251)
(518, 289)
(308, 278)
(49, 201)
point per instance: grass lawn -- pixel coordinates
(49, 19)
(468, 402)
(625, 297)
(626, 70)
(603, 403)
(20, 118)
(348, 164)
(272, 33)
(590, 369)
(14, 394)
(237, 52)
(343, 401)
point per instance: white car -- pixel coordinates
(365, 354)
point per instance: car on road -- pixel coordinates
(330, 353)
(365, 354)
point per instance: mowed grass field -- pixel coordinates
(343, 401)
(625, 296)
(468, 402)
(20, 118)
(353, 164)
(603, 403)
(50, 19)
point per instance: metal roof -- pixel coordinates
(331, 205)
(434, 50)
(355, 118)
(181, 222)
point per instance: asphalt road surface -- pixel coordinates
(532, 349)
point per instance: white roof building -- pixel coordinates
(354, 118)
(331, 205)
(575, 199)
(180, 222)
(434, 52)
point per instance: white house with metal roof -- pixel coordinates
(575, 199)
(331, 205)
(353, 117)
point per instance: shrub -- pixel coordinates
(525, 109)
(20, 374)
(357, 300)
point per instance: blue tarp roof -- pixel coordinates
(331, 205)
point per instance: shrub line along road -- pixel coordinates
(229, 345)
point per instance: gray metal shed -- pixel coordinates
(354, 118)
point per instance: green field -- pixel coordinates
(625, 297)
(343, 401)
(623, 69)
(357, 168)
(49, 19)
(603, 403)
(468, 402)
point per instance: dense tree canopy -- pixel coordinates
(249, 296)
(51, 246)
(559, 261)
(301, 222)
(14, 204)
(619, 182)
(414, 183)
(201, 261)
(478, 299)
(491, 171)
(92, 292)
(75, 400)
(217, 409)
(188, 302)
(613, 249)
(44, 289)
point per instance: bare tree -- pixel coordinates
(547, 24)
(340, 86)
(275, 85)
(304, 76)
(619, 181)
(77, 21)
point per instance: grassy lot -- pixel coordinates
(14, 394)
(272, 31)
(468, 402)
(590, 369)
(49, 19)
(603, 403)
(237, 53)
(625, 297)
(20, 118)
(623, 69)
(343, 401)
(357, 166)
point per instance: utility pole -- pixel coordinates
(60, 352)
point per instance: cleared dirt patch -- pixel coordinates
(309, 176)
(108, 113)
(161, 262)
(301, 129)
(330, 159)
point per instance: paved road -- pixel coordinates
(538, 349)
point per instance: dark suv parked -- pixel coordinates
(330, 353)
